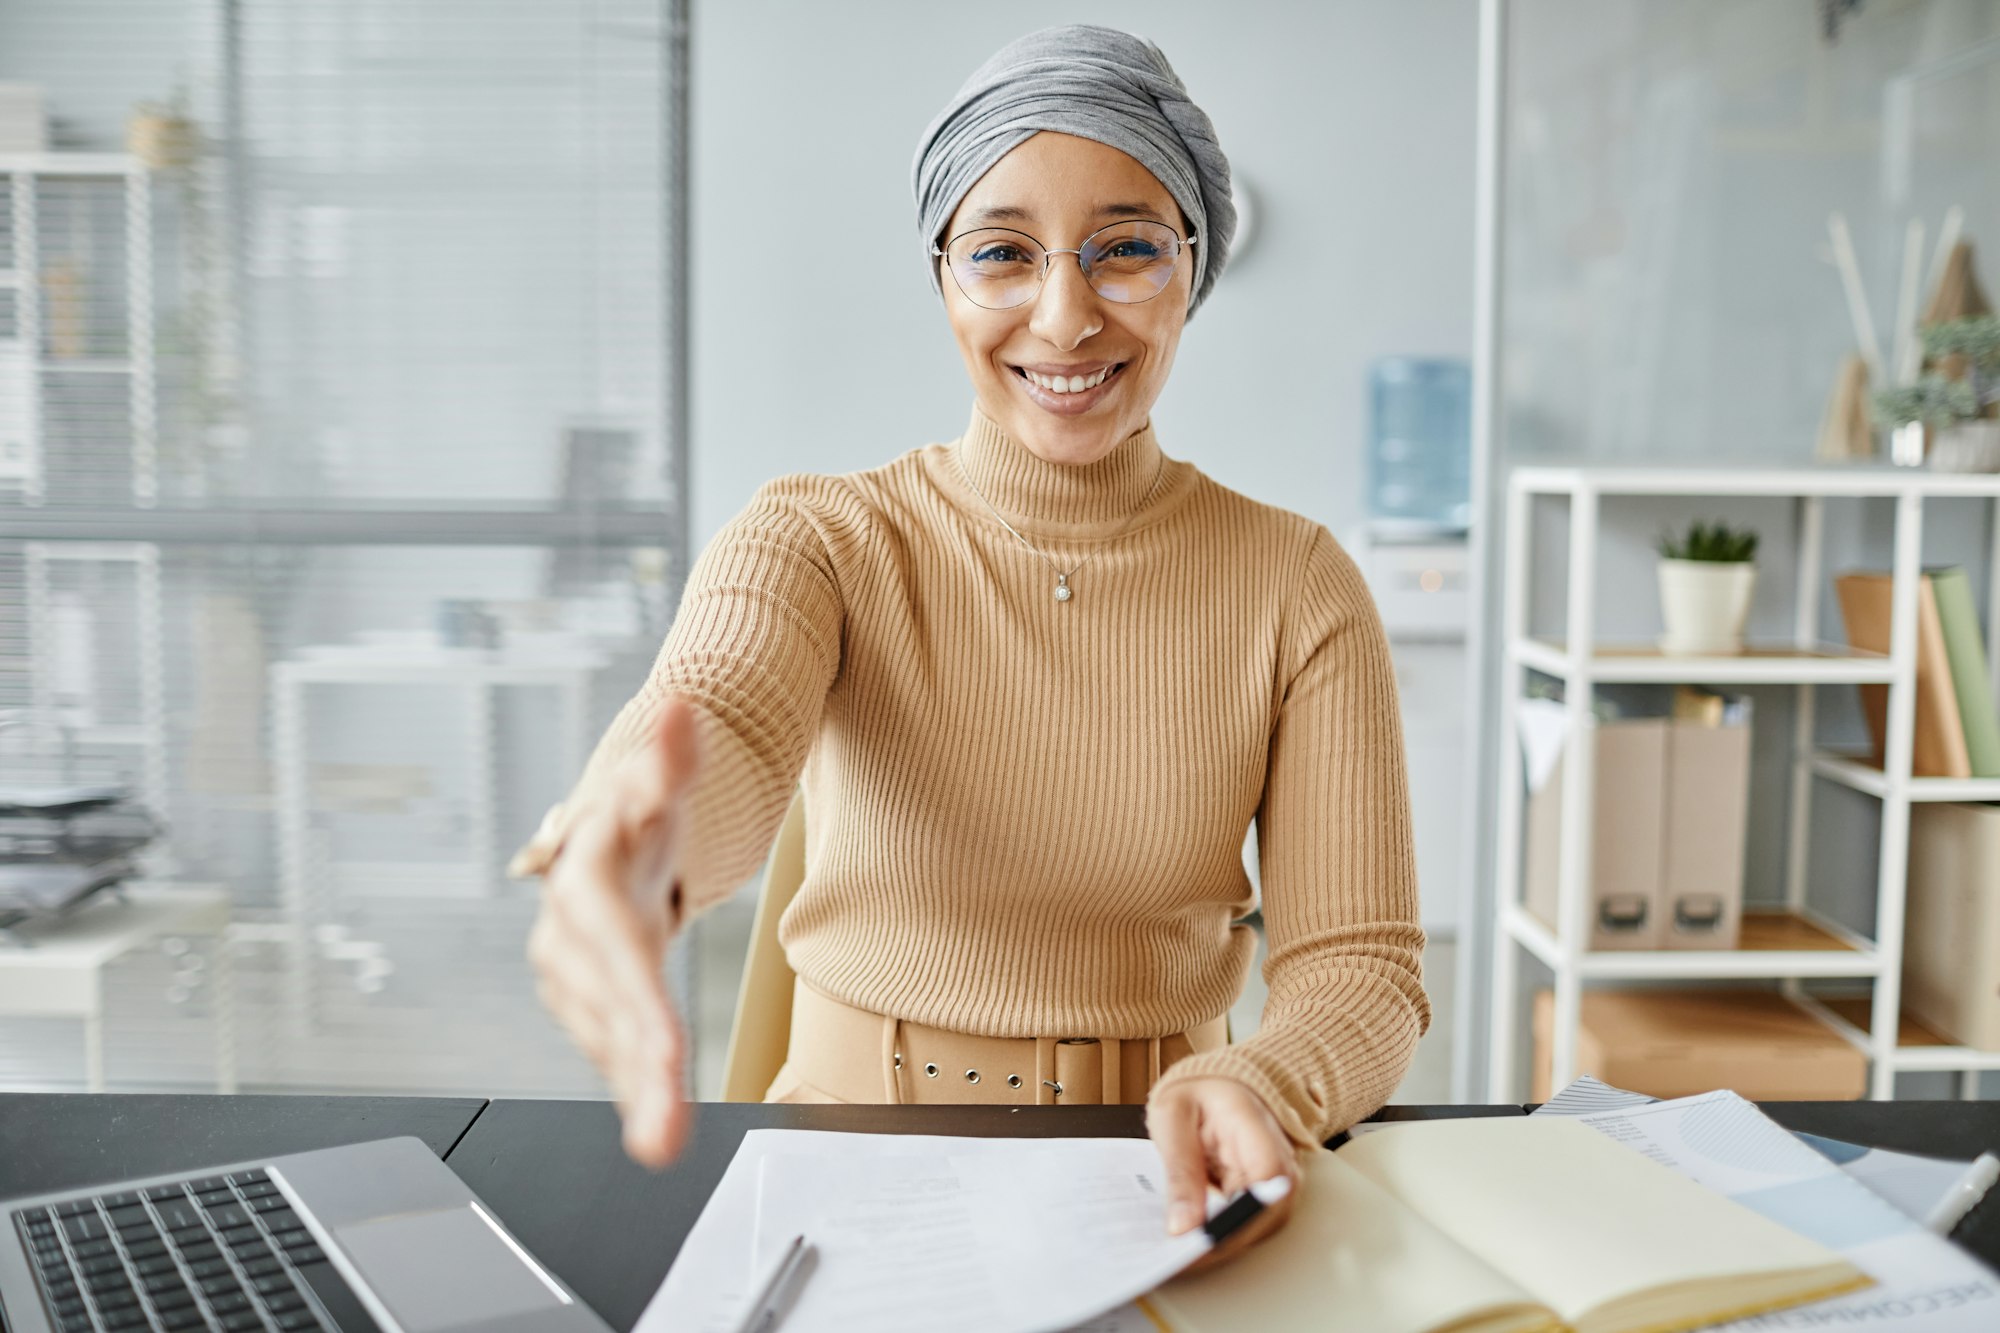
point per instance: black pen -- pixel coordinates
(1232, 1216)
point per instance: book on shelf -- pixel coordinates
(1505, 1225)
(1966, 652)
(1940, 748)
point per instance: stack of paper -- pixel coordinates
(1935, 1191)
(922, 1232)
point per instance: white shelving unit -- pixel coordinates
(1795, 943)
(60, 206)
(30, 356)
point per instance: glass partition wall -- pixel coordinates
(341, 465)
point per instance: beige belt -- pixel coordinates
(861, 1056)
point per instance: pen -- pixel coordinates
(783, 1279)
(1233, 1215)
(1949, 1211)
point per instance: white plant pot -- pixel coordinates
(1969, 446)
(1705, 604)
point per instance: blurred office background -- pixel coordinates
(369, 373)
(338, 369)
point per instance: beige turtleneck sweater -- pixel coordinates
(1026, 817)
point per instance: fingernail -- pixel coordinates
(1182, 1217)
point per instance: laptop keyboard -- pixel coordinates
(214, 1252)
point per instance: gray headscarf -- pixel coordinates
(1096, 83)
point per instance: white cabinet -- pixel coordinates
(1420, 591)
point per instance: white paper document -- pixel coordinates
(1924, 1283)
(1935, 1191)
(920, 1232)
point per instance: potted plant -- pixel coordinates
(1953, 402)
(1706, 578)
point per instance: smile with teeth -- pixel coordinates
(1069, 383)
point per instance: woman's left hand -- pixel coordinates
(1216, 1131)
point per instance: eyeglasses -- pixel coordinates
(1127, 262)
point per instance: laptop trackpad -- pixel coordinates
(445, 1269)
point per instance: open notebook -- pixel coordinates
(1499, 1226)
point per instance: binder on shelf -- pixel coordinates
(1670, 816)
(1707, 825)
(1628, 815)
(1940, 750)
(1952, 899)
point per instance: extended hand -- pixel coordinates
(1216, 1131)
(601, 937)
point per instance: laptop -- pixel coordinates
(377, 1237)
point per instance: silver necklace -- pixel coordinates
(1063, 591)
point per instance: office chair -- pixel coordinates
(762, 1029)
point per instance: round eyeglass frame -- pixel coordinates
(1048, 255)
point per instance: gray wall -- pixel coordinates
(1352, 123)
(1670, 169)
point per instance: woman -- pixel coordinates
(1037, 682)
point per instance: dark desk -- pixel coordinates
(554, 1170)
(52, 1141)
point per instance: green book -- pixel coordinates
(1966, 652)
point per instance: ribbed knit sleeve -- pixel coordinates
(754, 647)
(1338, 870)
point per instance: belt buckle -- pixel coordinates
(1077, 1081)
(1048, 1088)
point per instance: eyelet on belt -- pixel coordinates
(930, 1071)
(899, 1059)
(1053, 1083)
(972, 1076)
(1013, 1080)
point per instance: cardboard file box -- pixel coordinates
(1628, 817)
(1679, 1043)
(1707, 825)
(1951, 929)
(1670, 812)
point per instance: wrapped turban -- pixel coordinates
(1095, 83)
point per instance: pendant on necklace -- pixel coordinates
(1063, 593)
